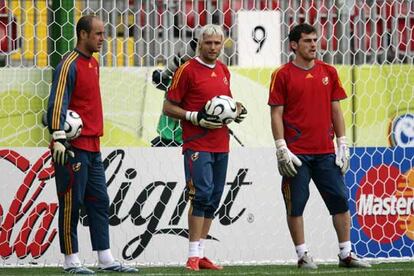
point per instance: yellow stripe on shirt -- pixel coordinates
(177, 75)
(60, 90)
(273, 78)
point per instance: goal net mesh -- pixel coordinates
(371, 43)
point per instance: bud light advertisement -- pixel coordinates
(381, 183)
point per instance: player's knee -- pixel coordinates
(204, 198)
(296, 208)
(197, 210)
(338, 205)
(214, 205)
(209, 213)
(211, 209)
(102, 201)
(105, 200)
(294, 212)
(201, 204)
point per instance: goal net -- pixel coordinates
(371, 43)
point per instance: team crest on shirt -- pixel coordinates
(325, 80)
(226, 82)
(195, 156)
(76, 167)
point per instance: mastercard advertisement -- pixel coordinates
(381, 183)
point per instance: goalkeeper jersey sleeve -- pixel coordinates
(63, 84)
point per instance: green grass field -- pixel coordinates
(402, 268)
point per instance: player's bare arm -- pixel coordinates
(276, 113)
(338, 119)
(173, 110)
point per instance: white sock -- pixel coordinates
(344, 249)
(105, 257)
(71, 260)
(201, 247)
(193, 249)
(301, 249)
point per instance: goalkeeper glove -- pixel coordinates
(161, 79)
(342, 154)
(242, 113)
(203, 119)
(286, 160)
(61, 148)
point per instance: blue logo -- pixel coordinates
(402, 131)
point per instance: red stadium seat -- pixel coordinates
(8, 30)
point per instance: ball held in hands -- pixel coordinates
(224, 107)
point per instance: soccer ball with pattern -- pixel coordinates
(73, 125)
(224, 107)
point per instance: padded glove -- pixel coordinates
(286, 160)
(342, 154)
(201, 118)
(242, 114)
(61, 148)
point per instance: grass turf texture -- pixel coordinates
(402, 268)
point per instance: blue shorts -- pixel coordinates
(328, 180)
(205, 175)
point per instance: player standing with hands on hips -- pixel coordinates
(80, 176)
(305, 116)
(205, 138)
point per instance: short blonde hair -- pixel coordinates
(208, 30)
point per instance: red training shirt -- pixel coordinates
(192, 86)
(75, 86)
(306, 96)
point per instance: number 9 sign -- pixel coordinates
(259, 36)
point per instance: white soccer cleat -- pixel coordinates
(306, 262)
(77, 268)
(352, 261)
(117, 267)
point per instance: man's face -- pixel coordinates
(95, 38)
(306, 47)
(210, 48)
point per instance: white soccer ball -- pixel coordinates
(73, 125)
(224, 107)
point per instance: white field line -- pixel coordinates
(295, 272)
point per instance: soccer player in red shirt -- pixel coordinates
(205, 139)
(80, 175)
(304, 97)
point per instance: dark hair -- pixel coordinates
(84, 24)
(296, 32)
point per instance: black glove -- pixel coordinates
(161, 79)
(203, 119)
(61, 148)
(242, 114)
